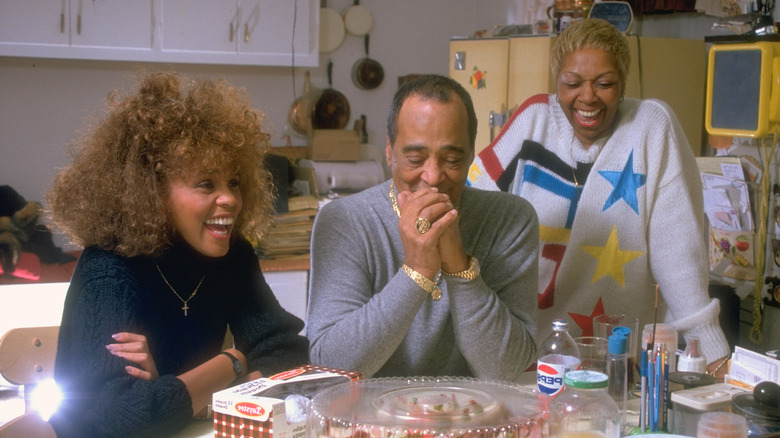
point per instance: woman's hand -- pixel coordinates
(718, 368)
(134, 348)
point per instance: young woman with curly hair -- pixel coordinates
(162, 195)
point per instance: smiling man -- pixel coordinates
(421, 275)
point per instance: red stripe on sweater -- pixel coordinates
(489, 159)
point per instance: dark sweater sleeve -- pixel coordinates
(100, 398)
(266, 333)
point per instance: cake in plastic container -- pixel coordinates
(426, 407)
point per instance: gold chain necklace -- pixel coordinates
(185, 307)
(395, 201)
(574, 175)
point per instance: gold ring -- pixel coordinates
(422, 225)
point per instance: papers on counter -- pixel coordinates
(749, 368)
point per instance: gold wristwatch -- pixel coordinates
(469, 274)
(424, 282)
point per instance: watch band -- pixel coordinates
(237, 367)
(428, 285)
(469, 274)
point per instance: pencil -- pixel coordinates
(666, 388)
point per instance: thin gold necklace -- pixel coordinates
(576, 163)
(185, 307)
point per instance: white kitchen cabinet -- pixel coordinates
(112, 29)
(239, 32)
(501, 73)
(291, 290)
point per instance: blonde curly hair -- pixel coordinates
(113, 194)
(591, 33)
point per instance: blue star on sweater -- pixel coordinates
(625, 184)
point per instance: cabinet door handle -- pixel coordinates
(232, 31)
(246, 32)
(62, 22)
(78, 24)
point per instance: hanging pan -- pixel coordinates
(367, 73)
(299, 116)
(332, 109)
(332, 30)
(358, 20)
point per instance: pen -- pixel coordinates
(651, 389)
(658, 384)
(643, 390)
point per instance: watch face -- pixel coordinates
(237, 367)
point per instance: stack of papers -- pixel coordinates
(290, 236)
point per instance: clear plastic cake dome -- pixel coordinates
(426, 407)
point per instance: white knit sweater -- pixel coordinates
(638, 221)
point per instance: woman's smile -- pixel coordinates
(219, 226)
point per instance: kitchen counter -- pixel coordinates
(298, 264)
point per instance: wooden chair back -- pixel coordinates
(27, 358)
(27, 354)
(29, 425)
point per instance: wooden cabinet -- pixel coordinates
(246, 32)
(500, 73)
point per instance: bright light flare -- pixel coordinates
(45, 398)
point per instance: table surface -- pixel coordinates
(12, 405)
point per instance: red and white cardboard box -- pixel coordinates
(257, 409)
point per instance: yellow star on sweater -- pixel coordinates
(611, 258)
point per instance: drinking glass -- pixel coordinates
(593, 353)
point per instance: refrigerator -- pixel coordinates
(500, 73)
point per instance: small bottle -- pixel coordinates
(691, 360)
(617, 370)
(584, 409)
(558, 355)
